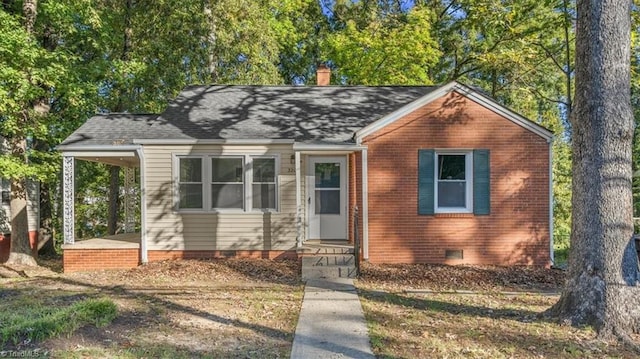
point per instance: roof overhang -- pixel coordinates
(123, 155)
(464, 91)
(194, 141)
(324, 148)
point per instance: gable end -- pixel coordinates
(462, 90)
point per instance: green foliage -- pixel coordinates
(32, 319)
(371, 46)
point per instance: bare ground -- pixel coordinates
(225, 308)
(249, 308)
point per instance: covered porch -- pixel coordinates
(121, 250)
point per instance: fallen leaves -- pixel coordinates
(398, 277)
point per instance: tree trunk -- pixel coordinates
(601, 289)
(114, 199)
(45, 234)
(20, 249)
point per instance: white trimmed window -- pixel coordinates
(227, 183)
(190, 183)
(264, 188)
(454, 182)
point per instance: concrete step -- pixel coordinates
(328, 260)
(328, 272)
(319, 250)
(328, 266)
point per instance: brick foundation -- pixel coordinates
(78, 260)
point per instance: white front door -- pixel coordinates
(327, 197)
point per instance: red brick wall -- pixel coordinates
(76, 260)
(516, 231)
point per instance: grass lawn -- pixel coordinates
(173, 309)
(415, 312)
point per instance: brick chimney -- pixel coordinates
(323, 75)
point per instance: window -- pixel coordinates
(227, 182)
(263, 192)
(452, 181)
(242, 183)
(190, 182)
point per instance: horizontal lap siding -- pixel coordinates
(202, 231)
(517, 229)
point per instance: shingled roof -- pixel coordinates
(310, 114)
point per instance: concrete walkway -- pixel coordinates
(331, 323)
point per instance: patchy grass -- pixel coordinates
(174, 309)
(414, 318)
(25, 318)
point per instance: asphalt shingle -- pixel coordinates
(309, 114)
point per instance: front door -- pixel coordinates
(327, 197)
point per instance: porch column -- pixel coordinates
(129, 200)
(68, 195)
(299, 235)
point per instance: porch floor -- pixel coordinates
(116, 241)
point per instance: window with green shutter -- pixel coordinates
(453, 181)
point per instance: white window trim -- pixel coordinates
(249, 186)
(469, 182)
(207, 182)
(210, 182)
(176, 181)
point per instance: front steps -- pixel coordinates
(327, 260)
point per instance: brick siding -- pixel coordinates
(517, 230)
(78, 260)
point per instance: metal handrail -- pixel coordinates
(356, 240)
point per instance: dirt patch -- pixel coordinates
(188, 308)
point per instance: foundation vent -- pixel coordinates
(453, 254)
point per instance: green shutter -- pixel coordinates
(425, 181)
(481, 183)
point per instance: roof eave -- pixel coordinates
(463, 90)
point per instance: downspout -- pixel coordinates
(144, 259)
(298, 200)
(365, 207)
(551, 250)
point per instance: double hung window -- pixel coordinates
(219, 183)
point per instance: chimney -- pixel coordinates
(323, 75)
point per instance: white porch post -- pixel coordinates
(299, 235)
(365, 206)
(129, 200)
(68, 195)
(144, 256)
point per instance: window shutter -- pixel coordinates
(481, 185)
(425, 181)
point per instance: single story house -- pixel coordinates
(434, 174)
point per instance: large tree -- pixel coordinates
(603, 266)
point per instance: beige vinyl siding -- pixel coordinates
(168, 228)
